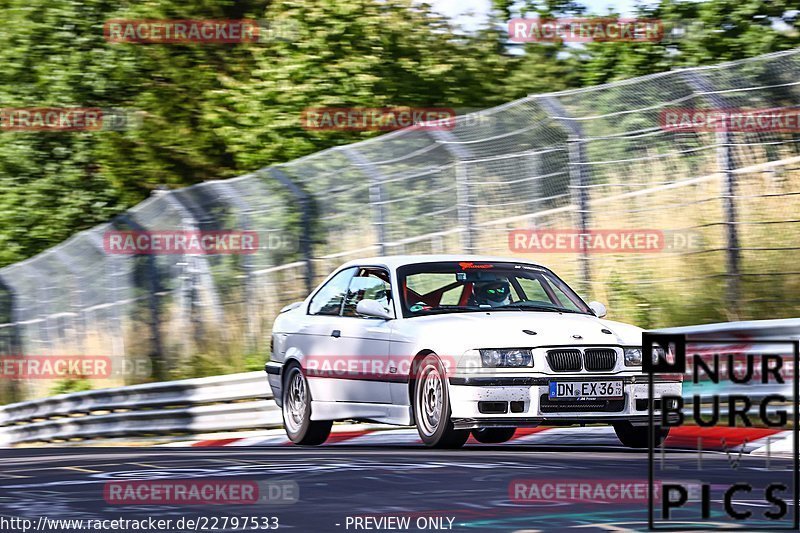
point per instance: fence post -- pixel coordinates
(160, 371)
(112, 276)
(225, 191)
(11, 341)
(375, 193)
(579, 175)
(198, 262)
(79, 327)
(463, 193)
(306, 213)
(726, 166)
(44, 302)
(8, 311)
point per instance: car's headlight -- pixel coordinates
(633, 356)
(511, 357)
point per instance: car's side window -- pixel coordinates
(328, 300)
(370, 284)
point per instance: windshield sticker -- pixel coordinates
(467, 266)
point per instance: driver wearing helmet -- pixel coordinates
(492, 293)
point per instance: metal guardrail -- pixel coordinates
(243, 401)
(779, 329)
(191, 406)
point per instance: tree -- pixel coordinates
(696, 33)
(209, 111)
(367, 54)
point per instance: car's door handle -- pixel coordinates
(336, 333)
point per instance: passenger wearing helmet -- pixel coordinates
(493, 293)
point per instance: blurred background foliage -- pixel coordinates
(211, 111)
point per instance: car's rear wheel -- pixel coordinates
(432, 407)
(638, 436)
(493, 435)
(297, 411)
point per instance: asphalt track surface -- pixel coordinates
(470, 485)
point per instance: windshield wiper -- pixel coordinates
(447, 309)
(537, 307)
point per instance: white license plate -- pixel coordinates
(585, 390)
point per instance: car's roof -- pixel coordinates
(394, 261)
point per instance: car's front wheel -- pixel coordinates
(432, 407)
(297, 411)
(493, 435)
(638, 436)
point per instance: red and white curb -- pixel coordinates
(751, 440)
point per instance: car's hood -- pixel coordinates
(505, 329)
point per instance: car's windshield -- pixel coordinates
(452, 287)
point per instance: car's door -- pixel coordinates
(364, 341)
(345, 353)
(316, 337)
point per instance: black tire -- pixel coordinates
(637, 436)
(296, 410)
(432, 407)
(493, 435)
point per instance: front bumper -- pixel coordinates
(495, 401)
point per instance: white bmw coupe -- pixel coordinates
(453, 345)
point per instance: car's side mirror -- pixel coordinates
(598, 309)
(374, 308)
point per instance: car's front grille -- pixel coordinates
(546, 405)
(599, 359)
(564, 360)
